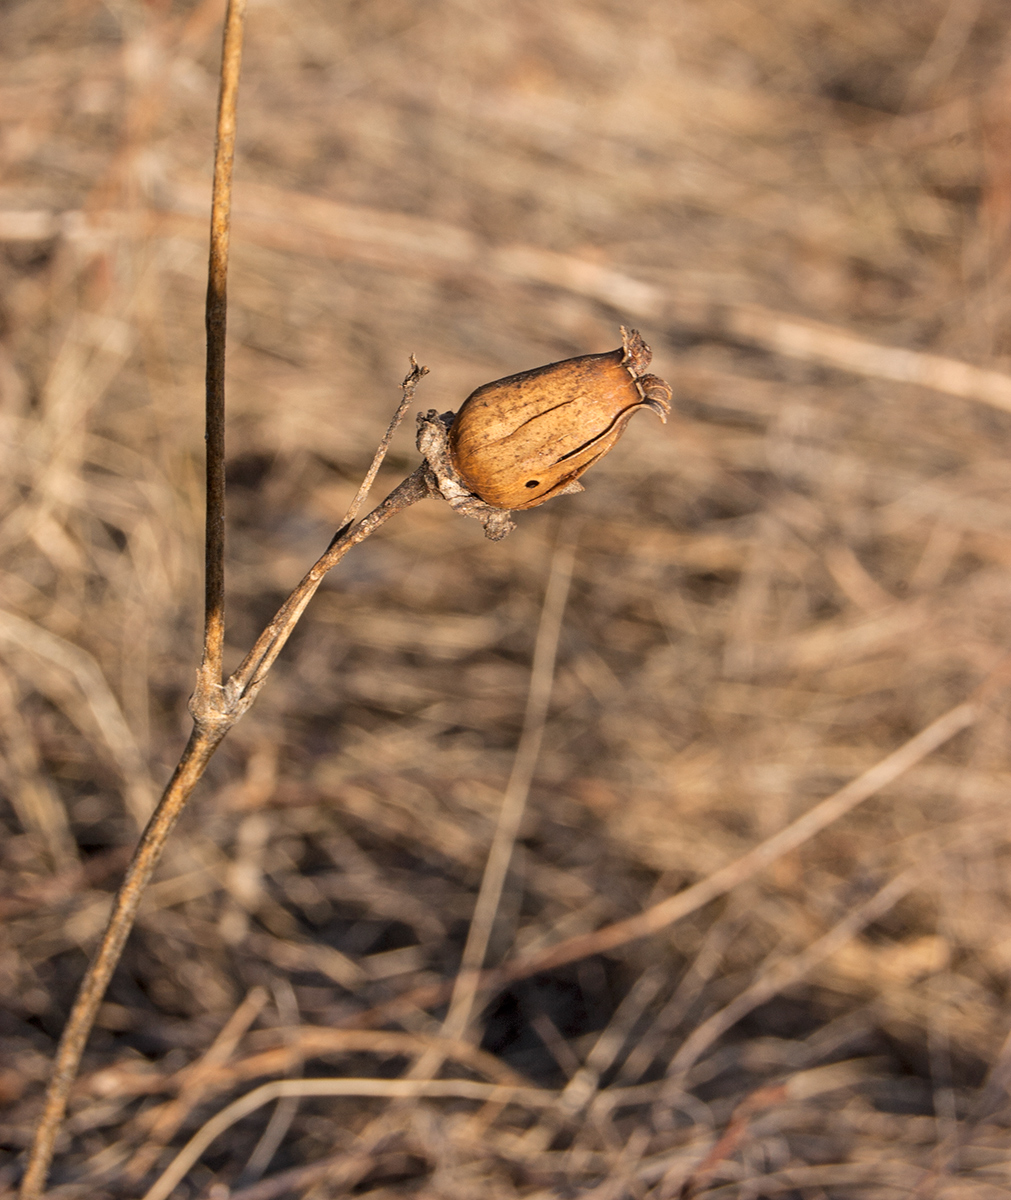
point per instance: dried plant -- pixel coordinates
(217, 703)
(744, 924)
(585, 403)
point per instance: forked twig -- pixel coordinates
(236, 697)
(215, 706)
(410, 383)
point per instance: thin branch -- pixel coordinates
(464, 1089)
(207, 731)
(314, 1041)
(514, 802)
(202, 744)
(168, 1120)
(242, 687)
(410, 384)
(209, 679)
(207, 735)
(788, 971)
(659, 916)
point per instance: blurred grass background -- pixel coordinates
(804, 568)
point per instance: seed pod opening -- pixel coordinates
(519, 441)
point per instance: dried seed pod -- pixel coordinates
(521, 440)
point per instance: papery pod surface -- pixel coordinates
(519, 441)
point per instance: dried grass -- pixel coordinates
(807, 209)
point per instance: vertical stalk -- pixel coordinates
(210, 722)
(210, 675)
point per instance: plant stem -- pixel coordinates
(209, 679)
(197, 754)
(209, 730)
(215, 707)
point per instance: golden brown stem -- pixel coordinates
(208, 733)
(215, 707)
(202, 744)
(215, 319)
(209, 730)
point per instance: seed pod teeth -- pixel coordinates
(637, 355)
(657, 395)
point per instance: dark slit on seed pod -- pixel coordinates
(538, 431)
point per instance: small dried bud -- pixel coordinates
(521, 440)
